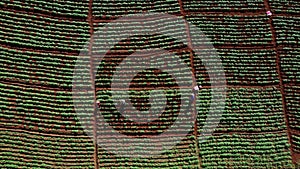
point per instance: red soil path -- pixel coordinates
(278, 65)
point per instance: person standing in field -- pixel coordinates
(122, 105)
(98, 103)
(193, 95)
(196, 89)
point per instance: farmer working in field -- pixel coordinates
(193, 95)
(122, 105)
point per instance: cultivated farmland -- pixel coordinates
(42, 41)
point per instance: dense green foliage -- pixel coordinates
(40, 42)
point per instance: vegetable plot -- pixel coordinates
(40, 42)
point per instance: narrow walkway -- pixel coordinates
(281, 85)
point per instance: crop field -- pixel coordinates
(43, 126)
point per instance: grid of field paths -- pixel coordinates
(40, 42)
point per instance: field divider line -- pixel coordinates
(194, 82)
(90, 53)
(27, 49)
(38, 133)
(281, 85)
(189, 87)
(40, 14)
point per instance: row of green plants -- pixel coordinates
(292, 96)
(173, 41)
(182, 155)
(32, 33)
(30, 149)
(70, 8)
(119, 8)
(296, 143)
(289, 60)
(254, 149)
(285, 6)
(287, 32)
(40, 68)
(221, 6)
(45, 111)
(246, 109)
(241, 66)
(52, 24)
(233, 30)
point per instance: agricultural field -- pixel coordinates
(44, 125)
